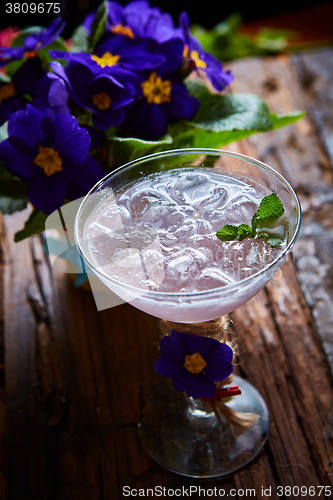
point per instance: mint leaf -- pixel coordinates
(227, 233)
(230, 232)
(271, 239)
(270, 209)
(244, 231)
(274, 241)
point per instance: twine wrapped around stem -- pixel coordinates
(218, 330)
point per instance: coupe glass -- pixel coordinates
(181, 433)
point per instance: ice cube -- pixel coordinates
(189, 188)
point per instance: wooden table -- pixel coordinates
(73, 381)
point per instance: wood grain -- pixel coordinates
(75, 380)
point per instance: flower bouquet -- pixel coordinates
(118, 89)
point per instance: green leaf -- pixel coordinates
(282, 120)
(229, 25)
(272, 239)
(80, 40)
(34, 225)
(274, 40)
(130, 148)
(230, 232)
(226, 41)
(244, 231)
(270, 209)
(99, 25)
(222, 119)
(227, 233)
(219, 113)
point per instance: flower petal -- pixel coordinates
(81, 178)
(47, 193)
(72, 141)
(197, 343)
(183, 106)
(26, 125)
(169, 366)
(108, 119)
(17, 162)
(195, 386)
(219, 362)
(173, 345)
(148, 121)
(52, 32)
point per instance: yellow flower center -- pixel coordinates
(6, 91)
(156, 90)
(120, 29)
(194, 363)
(30, 54)
(194, 56)
(107, 59)
(49, 160)
(101, 100)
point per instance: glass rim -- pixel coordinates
(184, 151)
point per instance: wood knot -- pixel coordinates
(271, 84)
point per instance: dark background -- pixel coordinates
(201, 12)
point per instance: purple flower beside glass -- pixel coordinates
(194, 363)
(49, 151)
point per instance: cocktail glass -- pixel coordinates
(181, 433)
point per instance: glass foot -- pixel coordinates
(184, 437)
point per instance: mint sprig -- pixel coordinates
(270, 209)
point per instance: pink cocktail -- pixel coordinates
(148, 232)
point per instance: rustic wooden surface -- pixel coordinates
(73, 381)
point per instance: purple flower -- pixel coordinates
(163, 99)
(9, 101)
(102, 94)
(201, 60)
(118, 56)
(137, 20)
(24, 82)
(50, 152)
(194, 363)
(52, 93)
(32, 43)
